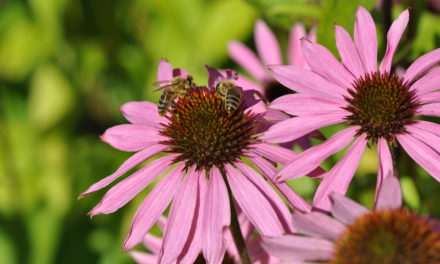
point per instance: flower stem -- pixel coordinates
(235, 226)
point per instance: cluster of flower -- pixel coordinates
(220, 171)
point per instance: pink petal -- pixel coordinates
(296, 127)
(217, 217)
(345, 209)
(297, 32)
(290, 247)
(274, 153)
(431, 97)
(365, 40)
(193, 245)
(131, 137)
(325, 64)
(426, 126)
(129, 164)
(429, 110)
(427, 83)
(385, 165)
(307, 82)
(164, 71)
(339, 177)
(312, 157)
(253, 203)
(247, 59)
(317, 225)
(247, 84)
(303, 104)
(142, 113)
(421, 65)
(295, 200)
(420, 150)
(393, 37)
(124, 191)
(180, 218)
(347, 50)
(270, 194)
(153, 206)
(267, 44)
(390, 196)
(152, 243)
(143, 258)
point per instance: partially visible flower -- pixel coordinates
(205, 145)
(387, 235)
(378, 106)
(269, 53)
(253, 243)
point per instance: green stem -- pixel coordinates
(235, 226)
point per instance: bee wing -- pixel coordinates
(160, 86)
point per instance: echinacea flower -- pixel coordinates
(205, 145)
(378, 106)
(253, 242)
(355, 235)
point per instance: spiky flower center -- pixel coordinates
(382, 105)
(389, 237)
(204, 134)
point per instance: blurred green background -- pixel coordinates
(66, 67)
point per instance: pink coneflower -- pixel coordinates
(253, 243)
(205, 146)
(269, 53)
(387, 235)
(376, 105)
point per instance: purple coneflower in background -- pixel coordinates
(205, 146)
(378, 106)
(387, 235)
(253, 243)
(270, 53)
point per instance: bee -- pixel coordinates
(231, 95)
(176, 88)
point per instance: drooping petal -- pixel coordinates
(152, 243)
(365, 39)
(393, 37)
(291, 247)
(345, 209)
(247, 84)
(322, 61)
(339, 177)
(124, 191)
(303, 104)
(274, 153)
(421, 65)
(296, 127)
(390, 195)
(267, 44)
(431, 97)
(294, 199)
(180, 218)
(313, 157)
(427, 83)
(385, 165)
(142, 113)
(347, 50)
(164, 71)
(297, 32)
(307, 82)
(269, 193)
(253, 203)
(131, 137)
(247, 59)
(129, 164)
(429, 110)
(194, 242)
(317, 225)
(217, 217)
(153, 206)
(420, 151)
